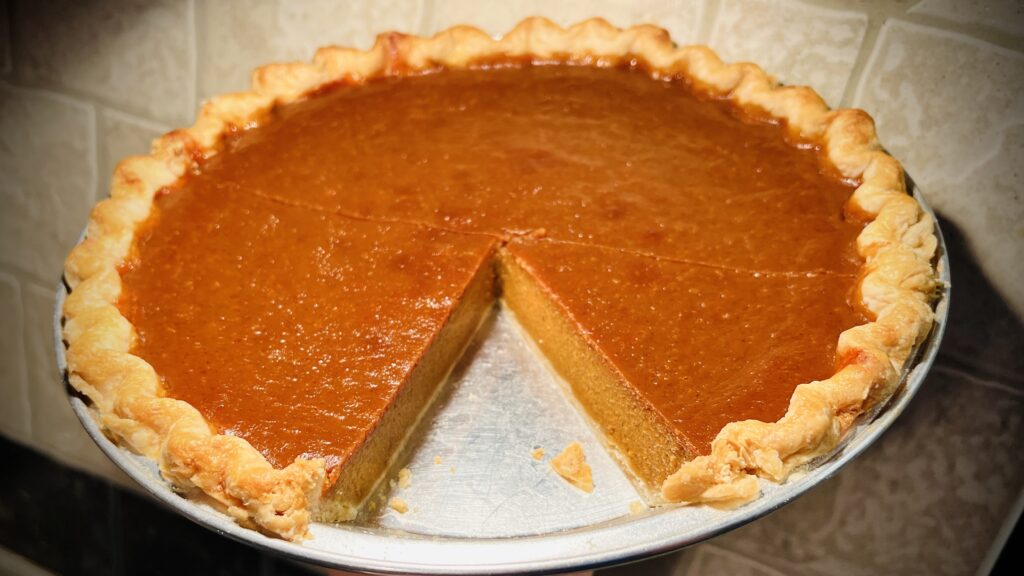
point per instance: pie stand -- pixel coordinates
(479, 501)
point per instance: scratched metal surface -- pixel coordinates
(479, 502)
(502, 402)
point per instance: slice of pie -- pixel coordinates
(663, 353)
(308, 335)
(725, 272)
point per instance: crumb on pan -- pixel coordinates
(636, 507)
(572, 465)
(398, 505)
(537, 453)
(404, 478)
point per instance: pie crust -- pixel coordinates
(895, 287)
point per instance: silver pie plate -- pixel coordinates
(479, 502)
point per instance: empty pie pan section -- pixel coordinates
(479, 499)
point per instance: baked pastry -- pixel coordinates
(726, 272)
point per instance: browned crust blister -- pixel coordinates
(896, 285)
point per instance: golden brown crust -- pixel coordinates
(896, 286)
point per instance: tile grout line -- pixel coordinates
(94, 158)
(71, 99)
(23, 354)
(708, 17)
(913, 22)
(855, 90)
(102, 159)
(94, 107)
(90, 107)
(425, 17)
(28, 277)
(191, 34)
(977, 380)
(966, 363)
(975, 30)
(864, 61)
(69, 93)
(133, 119)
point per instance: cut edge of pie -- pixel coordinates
(367, 467)
(618, 412)
(895, 286)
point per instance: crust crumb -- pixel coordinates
(404, 478)
(398, 505)
(636, 507)
(572, 465)
(437, 459)
(537, 453)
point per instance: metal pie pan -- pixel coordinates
(480, 502)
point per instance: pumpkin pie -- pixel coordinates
(724, 271)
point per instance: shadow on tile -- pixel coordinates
(984, 335)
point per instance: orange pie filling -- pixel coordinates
(680, 264)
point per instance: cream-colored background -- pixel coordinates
(83, 84)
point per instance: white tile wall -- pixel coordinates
(86, 83)
(796, 42)
(1004, 15)
(950, 107)
(133, 54)
(120, 136)
(47, 178)
(238, 35)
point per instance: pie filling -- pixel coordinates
(681, 266)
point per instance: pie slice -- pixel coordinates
(664, 354)
(310, 336)
(725, 271)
